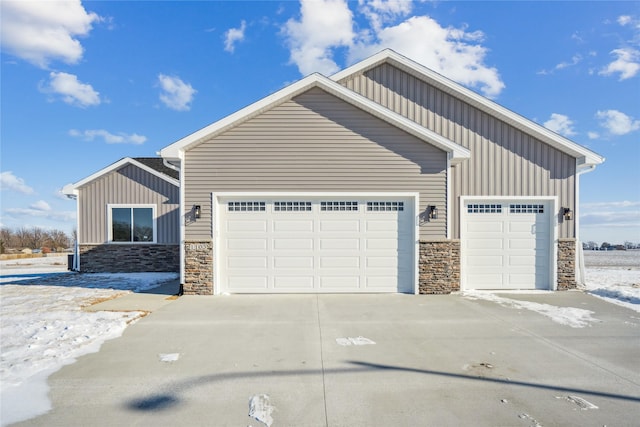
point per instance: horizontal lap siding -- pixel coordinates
(504, 160)
(128, 185)
(313, 143)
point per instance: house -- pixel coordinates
(128, 218)
(385, 177)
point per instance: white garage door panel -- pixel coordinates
(506, 245)
(316, 245)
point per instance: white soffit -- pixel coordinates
(456, 152)
(586, 156)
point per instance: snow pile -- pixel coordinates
(569, 316)
(43, 327)
(614, 276)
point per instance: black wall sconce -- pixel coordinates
(567, 214)
(197, 211)
(432, 212)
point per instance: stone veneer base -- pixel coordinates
(134, 258)
(198, 268)
(567, 264)
(439, 267)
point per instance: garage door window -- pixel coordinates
(385, 206)
(247, 206)
(484, 208)
(292, 206)
(339, 206)
(526, 209)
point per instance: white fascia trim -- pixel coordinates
(458, 152)
(421, 72)
(71, 189)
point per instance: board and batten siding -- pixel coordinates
(128, 185)
(316, 143)
(504, 160)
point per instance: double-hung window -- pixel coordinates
(132, 223)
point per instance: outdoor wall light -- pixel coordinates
(432, 212)
(197, 211)
(567, 213)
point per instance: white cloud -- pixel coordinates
(233, 36)
(176, 94)
(8, 181)
(379, 12)
(452, 52)
(327, 26)
(108, 137)
(42, 31)
(561, 124)
(627, 63)
(593, 135)
(71, 90)
(323, 26)
(617, 123)
(40, 213)
(41, 205)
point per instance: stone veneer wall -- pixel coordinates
(138, 258)
(566, 264)
(198, 268)
(439, 267)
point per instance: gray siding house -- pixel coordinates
(128, 218)
(386, 177)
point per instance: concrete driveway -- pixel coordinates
(437, 361)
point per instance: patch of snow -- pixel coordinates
(618, 286)
(169, 357)
(569, 316)
(354, 341)
(583, 404)
(260, 409)
(43, 327)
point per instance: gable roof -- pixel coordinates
(585, 156)
(152, 165)
(456, 152)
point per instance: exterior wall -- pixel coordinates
(128, 185)
(504, 160)
(198, 256)
(439, 267)
(566, 264)
(136, 258)
(315, 142)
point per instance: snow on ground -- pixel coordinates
(43, 326)
(614, 276)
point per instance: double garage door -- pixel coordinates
(506, 245)
(315, 244)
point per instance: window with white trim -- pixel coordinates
(385, 206)
(484, 208)
(246, 206)
(132, 224)
(339, 206)
(292, 206)
(532, 208)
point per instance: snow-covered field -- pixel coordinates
(43, 325)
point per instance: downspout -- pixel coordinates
(580, 269)
(74, 195)
(180, 170)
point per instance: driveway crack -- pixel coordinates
(324, 388)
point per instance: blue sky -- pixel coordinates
(84, 84)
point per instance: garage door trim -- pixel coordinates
(550, 201)
(218, 198)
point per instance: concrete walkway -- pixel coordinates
(149, 300)
(412, 361)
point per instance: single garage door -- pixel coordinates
(315, 244)
(506, 245)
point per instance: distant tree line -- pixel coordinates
(34, 238)
(606, 246)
